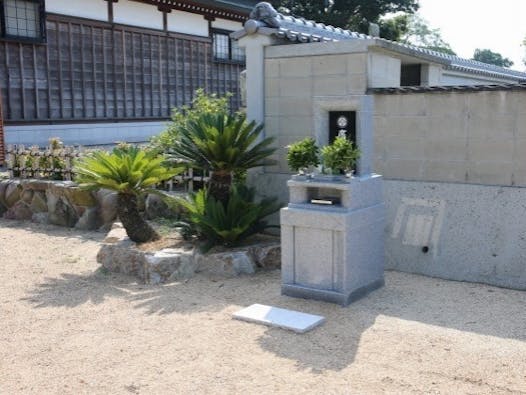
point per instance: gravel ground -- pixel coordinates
(66, 327)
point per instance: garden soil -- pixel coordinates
(68, 327)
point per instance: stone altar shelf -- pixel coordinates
(333, 252)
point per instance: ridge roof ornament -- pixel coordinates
(265, 13)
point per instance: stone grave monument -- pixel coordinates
(335, 252)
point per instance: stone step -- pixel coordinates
(281, 318)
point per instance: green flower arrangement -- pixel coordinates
(303, 154)
(340, 156)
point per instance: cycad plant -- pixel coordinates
(224, 144)
(228, 224)
(130, 172)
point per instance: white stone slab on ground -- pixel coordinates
(281, 318)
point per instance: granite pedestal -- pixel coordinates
(333, 252)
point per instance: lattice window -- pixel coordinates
(23, 19)
(226, 49)
(238, 53)
(221, 46)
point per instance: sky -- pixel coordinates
(470, 24)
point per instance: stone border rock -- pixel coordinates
(63, 203)
(60, 203)
(119, 254)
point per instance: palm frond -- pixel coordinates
(130, 170)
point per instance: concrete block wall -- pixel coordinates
(292, 82)
(459, 232)
(473, 138)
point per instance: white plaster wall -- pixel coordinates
(383, 71)
(188, 23)
(93, 9)
(137, 14)
(434, 75)
(255, 46)
(450, 78)
(226, 24)
(430, 75)
(83, 134)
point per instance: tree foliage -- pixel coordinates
(490, 57)
(349, 14)
(415, 30)
(395, 28)
(422, 35)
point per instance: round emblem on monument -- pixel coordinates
(342, 121)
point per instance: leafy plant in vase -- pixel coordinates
(302, 155)
(340, 157)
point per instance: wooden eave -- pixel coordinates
(199, 8)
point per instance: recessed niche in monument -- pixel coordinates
(342, 123)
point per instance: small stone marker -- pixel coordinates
(281, 318)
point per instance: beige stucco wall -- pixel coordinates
(293, 83)
(383, 70)
(471, 137)
(475, 138)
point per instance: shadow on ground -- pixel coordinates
(197, 294)
(475, 308)
(461, 306)
(52, 230)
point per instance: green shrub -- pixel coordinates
(340, 156)
(302, 154)
(52, 158)
(201, 104)
(57, 162)
(228, 225)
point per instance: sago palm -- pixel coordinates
(228, 224)
(225, 145)
(130, 172)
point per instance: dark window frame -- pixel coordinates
(42, 25)
(223, 60)
(411, 74)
